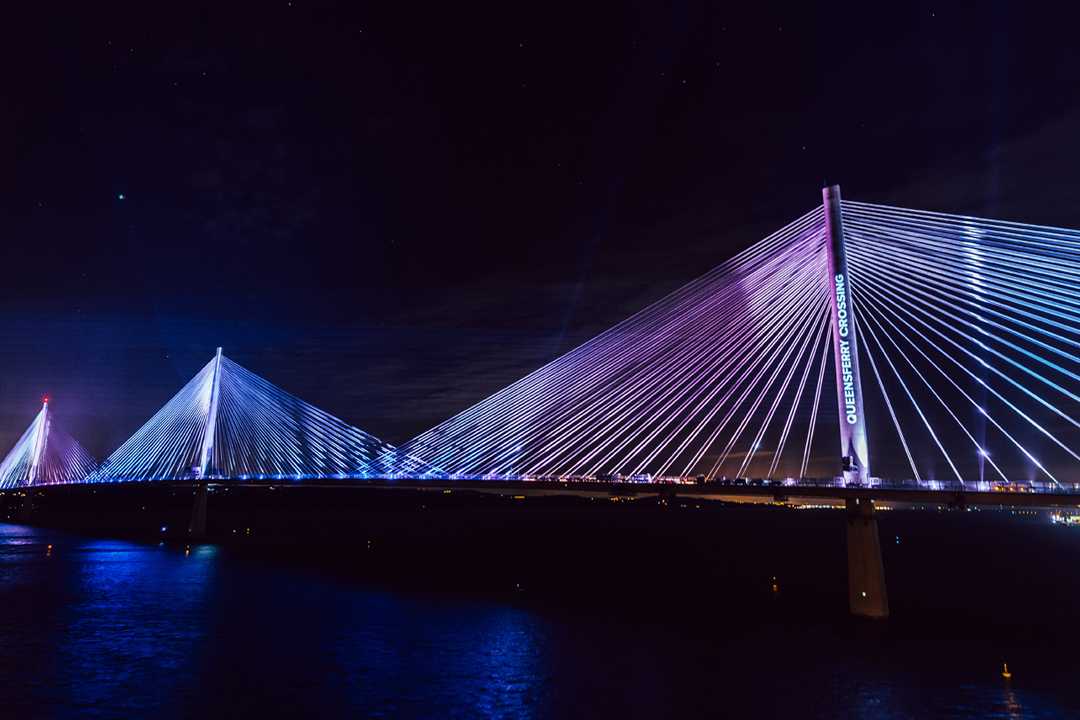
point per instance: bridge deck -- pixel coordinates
(1017, 496)
(715, 491)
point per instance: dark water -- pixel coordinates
(108, 628)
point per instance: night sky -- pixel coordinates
(393, 211)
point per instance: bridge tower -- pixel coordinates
(854, 447)
(207, 454)
(197, 526)
(41, 437)
(867, 595)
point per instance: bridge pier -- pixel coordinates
(867, 596)
(197, 526)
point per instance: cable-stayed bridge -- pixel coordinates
(941, 350)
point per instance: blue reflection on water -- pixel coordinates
(99, 628)
(131, 635)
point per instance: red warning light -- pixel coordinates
(45, 399)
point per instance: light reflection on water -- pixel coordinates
(102, 628)
(137, 621)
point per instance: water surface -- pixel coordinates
(109, 628)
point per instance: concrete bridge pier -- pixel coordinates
(197, 526)
(867, 596)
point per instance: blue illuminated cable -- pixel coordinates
(915, 404)
(963, 427)
(903, 315)
(883, 313)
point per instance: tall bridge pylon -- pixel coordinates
(854, 444)
(867, 593)
(44, 455)
(206, 455)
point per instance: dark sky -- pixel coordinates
(393, 211)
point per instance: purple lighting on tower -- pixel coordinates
(44, 455)
(679, 388)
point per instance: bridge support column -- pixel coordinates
(854, 446)
(867, 596)
(197, 526)
(206, 457)
(41, 437)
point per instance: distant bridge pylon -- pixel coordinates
(44, 455)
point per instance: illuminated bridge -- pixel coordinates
(862, 350)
